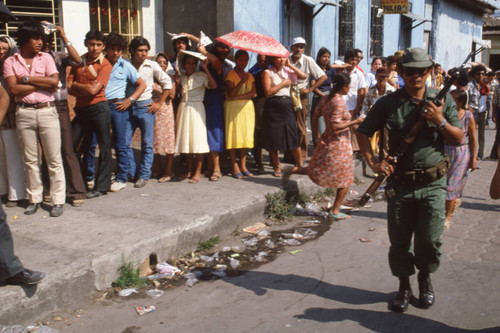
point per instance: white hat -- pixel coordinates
(178, 36)
(182, 53)
(298, 40)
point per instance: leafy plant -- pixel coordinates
(129, 277)
(278, 207)
(208, 244)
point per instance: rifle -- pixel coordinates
(412, 134)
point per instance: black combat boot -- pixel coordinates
(426, 293)
(402, 299)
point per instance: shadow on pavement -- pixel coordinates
(481, 206)
(258, 282)
(384, 321)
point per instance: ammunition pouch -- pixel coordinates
(422, 177)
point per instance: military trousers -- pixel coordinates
(10, 265)
(418, 213)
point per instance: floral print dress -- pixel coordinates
(331, 163)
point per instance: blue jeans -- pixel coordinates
(121, 124)
(145, 121)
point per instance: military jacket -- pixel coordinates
(398, 113)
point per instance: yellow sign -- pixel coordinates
(395, 6)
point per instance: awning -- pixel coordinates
(323, 4)
(320, 2)
(414, 18)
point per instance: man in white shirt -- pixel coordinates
(309, 66)
(357, 92)
(144, 109)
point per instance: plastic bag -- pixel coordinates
(234, 263)
(127, 292)
(165, 269)
(155, 293)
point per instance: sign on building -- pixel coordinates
(395, 6)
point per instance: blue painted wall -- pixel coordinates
(453, 30)
(362, 30)
(262, 16)
(417, 34)
(392, 28)
(325, 31)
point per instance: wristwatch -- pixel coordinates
(442, 125)
(132, 100)
(26, 79)
(69, 44)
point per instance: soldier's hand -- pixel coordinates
(384, 167)
(433, 113)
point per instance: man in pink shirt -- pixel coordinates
(32, 77)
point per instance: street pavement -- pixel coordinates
(336, 284)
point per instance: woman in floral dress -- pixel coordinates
(462, 157)
(332, 161)
(164, 130)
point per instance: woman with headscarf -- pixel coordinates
(164, 128)
(12, 176)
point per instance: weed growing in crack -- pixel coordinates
(208, 244)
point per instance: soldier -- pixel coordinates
(416, 187)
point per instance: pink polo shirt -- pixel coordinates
(42, 65)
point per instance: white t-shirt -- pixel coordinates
(357, 82)
(309, 67)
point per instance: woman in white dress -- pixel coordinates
(191, 136)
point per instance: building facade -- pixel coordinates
(335, 24)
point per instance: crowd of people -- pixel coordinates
(200, 105)
(197, 104)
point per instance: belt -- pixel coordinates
(422, 177)
(114, 100)
(36, 105)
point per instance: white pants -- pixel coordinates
(33, 124)
(12, 179)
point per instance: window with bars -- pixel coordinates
(376, 30)
(346, 27)
(120, 16)
(39, 10)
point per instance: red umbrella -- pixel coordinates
(255, 42)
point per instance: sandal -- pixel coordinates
(195, 179)
(455, 207)
(238, 175)
(447, 225)
(277, 173)
(216, 175)
(247, 174)
(339, 216)
(165, 179)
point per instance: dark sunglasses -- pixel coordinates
(410, 71)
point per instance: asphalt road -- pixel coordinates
(335, 284)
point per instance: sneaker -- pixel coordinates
(90, 184)
(57, 210)
(117, 186)
(140, 183)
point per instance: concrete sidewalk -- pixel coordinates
(82, 250)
